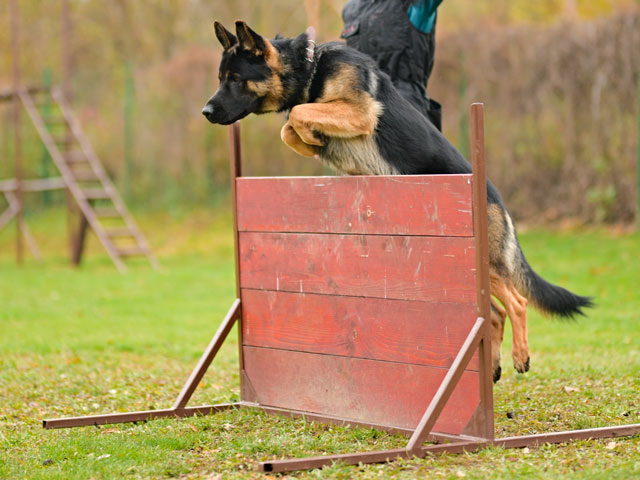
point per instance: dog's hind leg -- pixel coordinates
(498, 315)
(293, 140)
(339, 119)
(516, 308)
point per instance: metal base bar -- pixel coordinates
(434, 437)
(179, 408)
(142, 416)
(382, 456)
(567, 436)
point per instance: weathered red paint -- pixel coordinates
(392, 330)
(389, 393)
(439, 269)
(407, 205)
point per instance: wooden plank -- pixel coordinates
(35, 185)
(388, 393)
(439, 269)
(392, 330)
(406, 205)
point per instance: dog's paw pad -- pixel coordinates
(497, 373)
(522, 367)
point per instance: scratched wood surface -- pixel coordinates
(388, 393)
(357, 293)
(371, 328)
(438, 269)
(408, 205)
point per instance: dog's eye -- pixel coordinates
(235, 77)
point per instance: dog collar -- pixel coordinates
(311, 44)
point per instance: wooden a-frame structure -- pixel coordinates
(82, 175)
(353, 308)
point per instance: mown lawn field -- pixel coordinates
(90, 340)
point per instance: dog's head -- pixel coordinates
(250, 76)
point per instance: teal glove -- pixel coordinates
(422, 14)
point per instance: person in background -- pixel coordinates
(400, 36)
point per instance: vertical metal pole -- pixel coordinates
(17, 148)
(480, 223)
(236, 171)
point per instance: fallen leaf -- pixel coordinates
(102, 457)
(611, 445)
(525, 450)
(193, 427)
(460, 474)
(571, 389)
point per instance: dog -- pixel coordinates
(344, 110)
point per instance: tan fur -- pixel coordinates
(507, 280)
(338, 119)
(272, 57)
(271, 89)
(293, 141)
(498, 317)
(348, 116)
(357, 156)
(516, 308)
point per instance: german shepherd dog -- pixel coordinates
(344, 110)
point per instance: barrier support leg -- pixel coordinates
(179, 408)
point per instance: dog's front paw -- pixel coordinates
(291, 138)
(521, 362)
(497, 372)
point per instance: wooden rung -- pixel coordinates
(119, 232)
(63, 139)
(106, 212)
(54, 119)
(130, 251)
(74, 156)
(85, 176)
(95, 193)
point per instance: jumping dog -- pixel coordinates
(344, 110)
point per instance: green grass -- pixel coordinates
(89, 340)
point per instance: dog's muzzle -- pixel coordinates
(207, 111)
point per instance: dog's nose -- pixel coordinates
(207, 111)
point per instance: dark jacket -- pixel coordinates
(381, 29)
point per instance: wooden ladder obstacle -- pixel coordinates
(83, 175)
(362, 301)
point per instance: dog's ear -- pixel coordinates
(249, 40)
(225, 37)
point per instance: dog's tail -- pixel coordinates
(548, 298)
(508, 260)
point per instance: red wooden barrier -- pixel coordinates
(357, 294)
